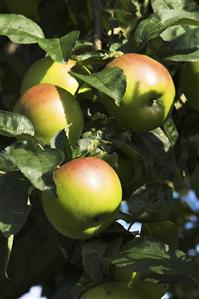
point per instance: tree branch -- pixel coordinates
(97, 7)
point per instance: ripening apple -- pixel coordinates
(51, 109)
(28, 8)
(45, 70)
(189, 83)
(112, 290)
(87, 201)
(149, 93)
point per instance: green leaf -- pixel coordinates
(61, 142)
(6, 247)
(14, 207)
(155, 24)
(191, 57)
(164, 231)
(14, 124)
(92, 253)
(171, 131)
(151, 196)
(59, 49)
(33, 161)
(182, 43)
(89, 145)
(6, 165)
(20, 29)
(157, 155)
(188, 5)
(147, 256)
(103, 81)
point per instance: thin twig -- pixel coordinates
(97, 7)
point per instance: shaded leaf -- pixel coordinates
(150, 196)
(147, 256)
(33, 161)
(193, 56)
(155, 24)
(92, 253)
(61, 142)
(14, 208)
(188, 5)
(103, 81)
(14, 124)
(171, 131)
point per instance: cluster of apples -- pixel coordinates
(88, 190)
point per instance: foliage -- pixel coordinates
(164, 161)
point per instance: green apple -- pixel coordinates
(149, 93)
(125, 170)
(45, 70)
(150, 290)
(88, 198)
(51, 109)
(28, 8)
(112, 290)
(189, 83)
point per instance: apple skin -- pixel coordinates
(45, 70)
(88, 198)
(189, 83)
(51, 109)
(28, 8)
(112, 290)
(150, 290)
(125, 170)
(149, 93)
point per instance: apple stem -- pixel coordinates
(97, 7)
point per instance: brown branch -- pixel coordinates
(97, 8)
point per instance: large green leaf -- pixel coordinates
(109, 81)
(20, 29)
(33, 161)
(155, 24)
(191, 56)
(14, 207)
(59, 49)
(182, 43)
(188, 5)
(14, 124)
(147, 256)
(92, 253)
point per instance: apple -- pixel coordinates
(149, 93)
(150, 290)
(51, 109)
(88, 198)
(112, 290)
(45, 70)
(189, 83)
(28, 8)
(125, 170)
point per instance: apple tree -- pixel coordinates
(99, 148)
